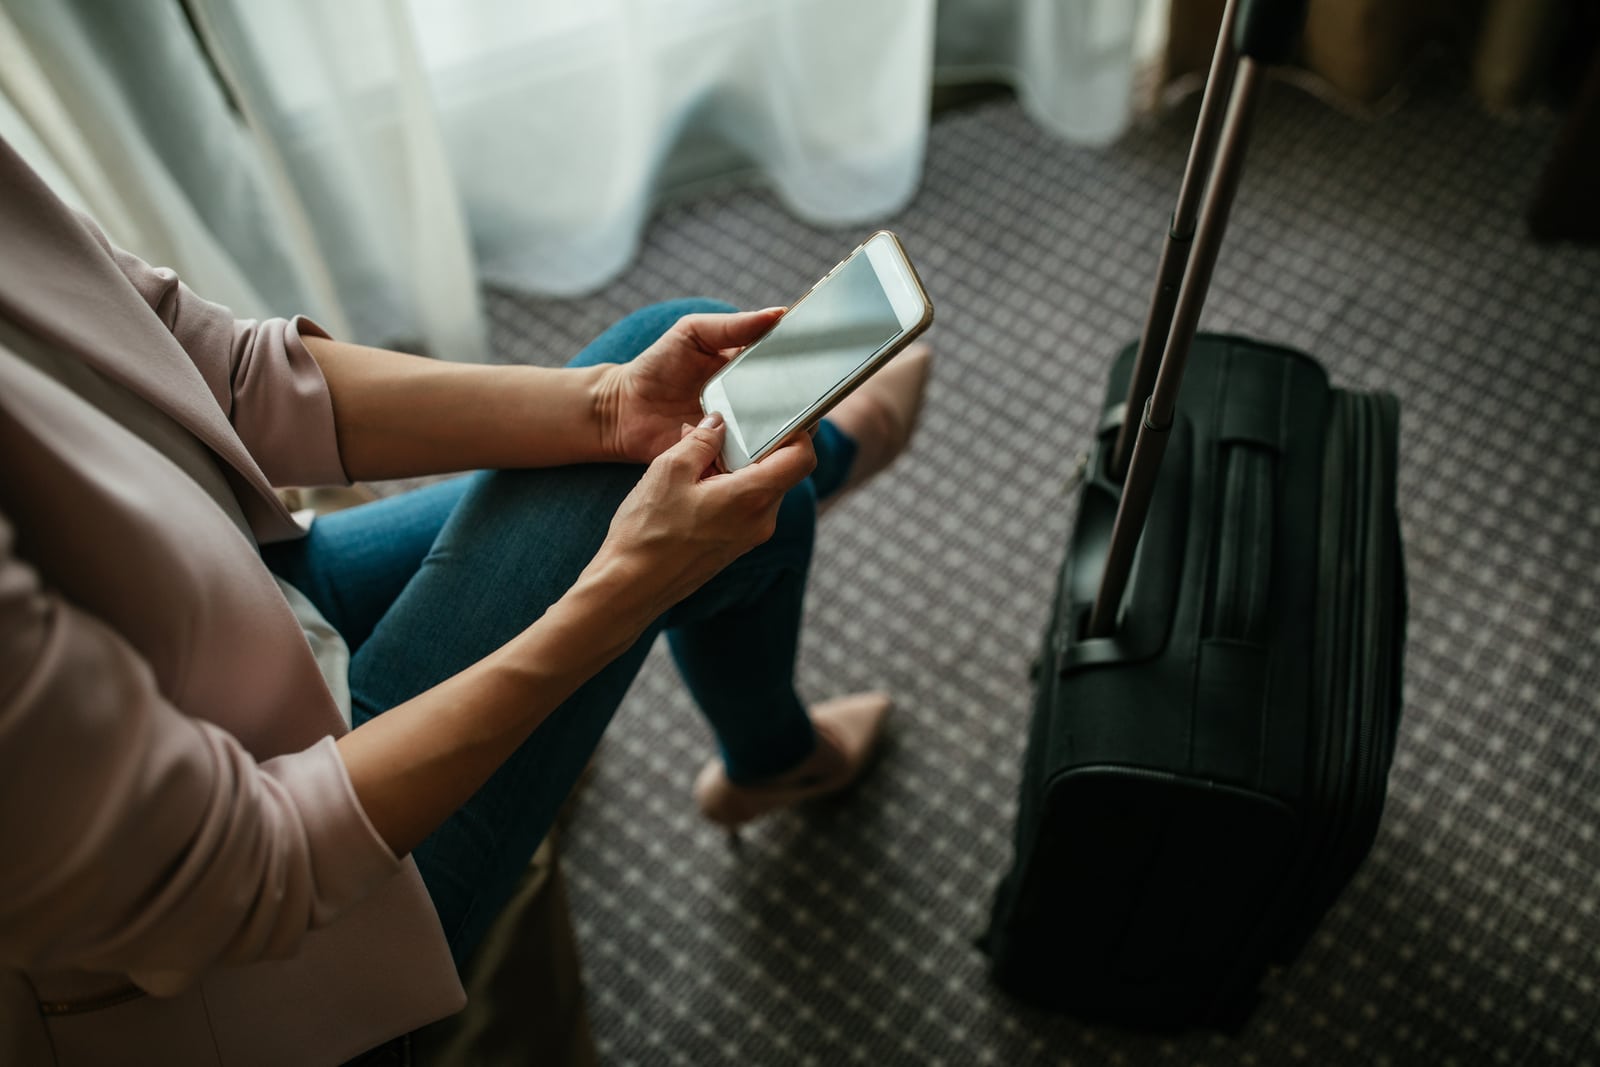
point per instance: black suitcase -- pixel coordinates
(1219, 687)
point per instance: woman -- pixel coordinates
(205, 861)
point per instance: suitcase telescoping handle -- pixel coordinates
(1254, 34)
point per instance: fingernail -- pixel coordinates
(770, 310)
(711, 421)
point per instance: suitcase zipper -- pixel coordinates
(1373, 706)
(1356, 661)
(1380, 559)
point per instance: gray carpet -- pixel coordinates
(1395, 253)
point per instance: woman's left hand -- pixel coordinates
(644, 404)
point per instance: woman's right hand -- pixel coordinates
(419, 761)
(685, 521)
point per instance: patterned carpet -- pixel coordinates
(1395, 253)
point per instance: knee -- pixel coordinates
(558, 514)
(673, 310)
(637, 331)
(797, 523)
(656, 319)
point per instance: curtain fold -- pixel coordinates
(1071, 63)
(371, 161)
(116, 107)
(345, 127)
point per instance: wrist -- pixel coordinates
(603, 389)
(603, 613)
(625, 587)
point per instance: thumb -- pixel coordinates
(715, 331)
(699, 447)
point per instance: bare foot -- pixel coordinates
(881, 415)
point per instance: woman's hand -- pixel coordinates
(643, 404)
(419, 761)
(685, 521)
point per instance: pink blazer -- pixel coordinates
(186, 875)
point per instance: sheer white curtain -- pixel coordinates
(371, 160)
(115, 106)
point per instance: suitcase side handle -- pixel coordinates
(1242, 552)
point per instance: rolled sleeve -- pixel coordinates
(143, 841)
(281, 406)
(340, 840)
(260, 372)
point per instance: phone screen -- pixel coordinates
(825, 338)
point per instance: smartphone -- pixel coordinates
(831, 340)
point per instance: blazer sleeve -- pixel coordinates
(141, 841)
(260, 372)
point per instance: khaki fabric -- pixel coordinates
(524, 987)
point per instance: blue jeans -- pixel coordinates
(425, 584)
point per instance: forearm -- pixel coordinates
(402, 416)
(418, 762)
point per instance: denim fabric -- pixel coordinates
(424, 584)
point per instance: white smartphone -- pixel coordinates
(851, 322)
